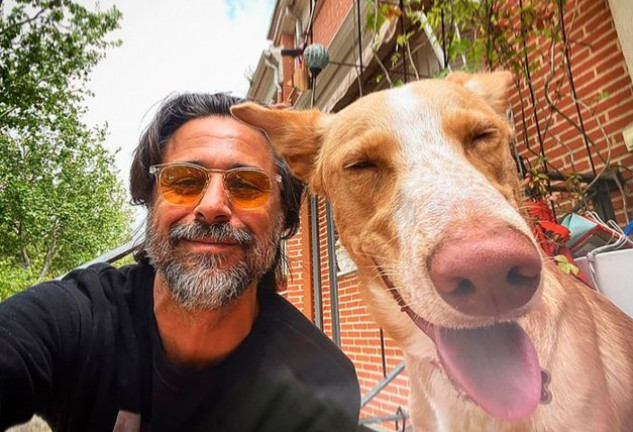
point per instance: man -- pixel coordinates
(193, 338)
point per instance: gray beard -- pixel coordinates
(197, 280)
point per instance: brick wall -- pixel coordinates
(298, 270)
(287, 41)
(360, 339)
(299, 284)
(329, 17)
(603, 86)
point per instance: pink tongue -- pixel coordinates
(496, 366)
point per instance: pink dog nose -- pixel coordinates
(486, 276)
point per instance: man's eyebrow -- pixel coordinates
(196, 162)
(235, 165)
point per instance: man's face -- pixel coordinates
(211, 252)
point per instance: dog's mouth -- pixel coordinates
(496, 366)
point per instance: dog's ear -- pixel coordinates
(493, 87)
(296, 135)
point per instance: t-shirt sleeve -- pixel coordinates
(39, 332)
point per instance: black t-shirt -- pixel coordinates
(79, 350)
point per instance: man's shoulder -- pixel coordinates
(104, 279)
(296, 332)
(108, 275)
(280, 311)
(310, 366)
(96, 286)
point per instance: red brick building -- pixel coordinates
(600, 61)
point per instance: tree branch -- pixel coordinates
(7, 112)
(415, 69)
(50, 253)
(26, 261)
(26, 21)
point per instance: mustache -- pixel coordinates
(217, 232)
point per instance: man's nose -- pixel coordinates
(214, 206)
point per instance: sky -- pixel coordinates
(171, 46)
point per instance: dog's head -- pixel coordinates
(426, 199)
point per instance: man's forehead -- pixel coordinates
(221, 136)
(216, 127)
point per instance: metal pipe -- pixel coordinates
(314, 211)
(382, 353)
(383, 419)
(359, 71)
(403, 47)
(331, 245)
(444, 54)
(360, 38)
(316, 261)
(275, 69)
(382, 384)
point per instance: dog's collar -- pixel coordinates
(420, 322)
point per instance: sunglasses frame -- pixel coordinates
(156, 171)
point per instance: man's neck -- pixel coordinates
(199, 338)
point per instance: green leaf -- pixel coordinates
(443, 73)
(565, 265)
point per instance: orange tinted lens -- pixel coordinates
(248, 189)
(182, 185)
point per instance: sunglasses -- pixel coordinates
(184, 184)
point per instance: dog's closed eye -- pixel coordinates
(482, 137)
(360, 165)
(486, 134)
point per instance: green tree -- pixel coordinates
(61, 202)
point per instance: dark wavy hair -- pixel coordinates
(174, 112)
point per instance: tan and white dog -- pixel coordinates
(427, 202)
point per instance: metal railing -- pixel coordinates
(400, 415)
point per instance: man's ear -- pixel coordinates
(493, 87)
(297, 136)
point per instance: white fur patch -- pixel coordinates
(437, 188)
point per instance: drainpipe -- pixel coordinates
(316, 261)
(268, 55)
(298, 24)
(331, 252)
